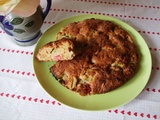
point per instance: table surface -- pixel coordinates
(22, 97)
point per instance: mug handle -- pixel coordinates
(45, 13)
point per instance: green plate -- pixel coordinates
(113, 99)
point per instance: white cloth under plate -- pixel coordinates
(22, 97)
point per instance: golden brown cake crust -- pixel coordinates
(107, 57)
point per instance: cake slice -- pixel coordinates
(62, 49)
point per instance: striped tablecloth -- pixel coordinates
(22, 97)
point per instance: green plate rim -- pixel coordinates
(113, 99)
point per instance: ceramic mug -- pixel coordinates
(25, 30)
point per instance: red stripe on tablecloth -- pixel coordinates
(149, 32)
(113, 15)
(135, 114)
(31, 99)
(17, 72)
(156, 68)
(120, 4)
(49, 22)
(16, 51)
(2, 31)
(152, 90)
(154, 49)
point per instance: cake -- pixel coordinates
(106, 57)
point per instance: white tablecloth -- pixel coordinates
(22, 97)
